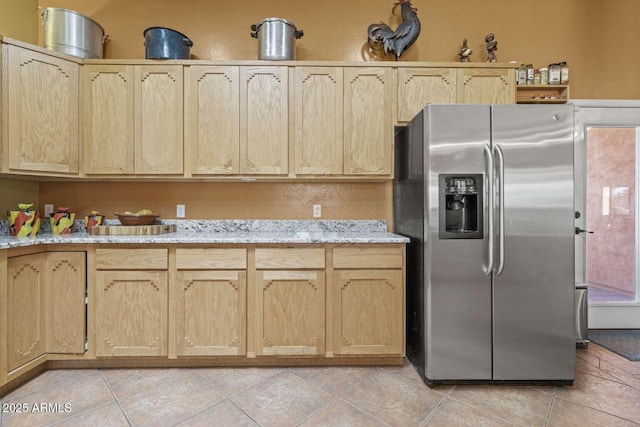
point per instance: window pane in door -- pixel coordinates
(611, 201)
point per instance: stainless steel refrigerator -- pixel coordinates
(485, 192)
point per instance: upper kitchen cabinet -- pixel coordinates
(212, 120)
(264, 120)
(369, 117)
(133, 119)
(39, 112)
(486, 86)
(420, 86)
(318, 122)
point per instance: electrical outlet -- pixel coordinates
(48, 210)
(317, 211)
(180, 211)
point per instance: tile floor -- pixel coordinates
(606, 393)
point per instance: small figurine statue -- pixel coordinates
(492, 46)
(464, 53)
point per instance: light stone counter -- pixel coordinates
(226, 232)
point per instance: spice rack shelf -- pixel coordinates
(542, 94)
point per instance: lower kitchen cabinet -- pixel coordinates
(25, 309)
(290, 302)
(211, 301)
(65, 291)
(131, 295)
(368, 301)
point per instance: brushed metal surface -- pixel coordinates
(72, 33)
(533, 298)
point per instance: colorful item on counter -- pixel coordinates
(62, 221)
(24, 221)
(92, 220)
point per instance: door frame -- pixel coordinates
(603, 113)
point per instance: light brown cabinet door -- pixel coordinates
(131, 313)
(486, 86)
(65, 287)
(108, 119)
(368, 120)
(318, 107)
(212, 120)
(419, 86)
(211, 313)
(264, 120)
(368, 312)
(290, 311)
(25, 309)
(158, 103)
(42, 94)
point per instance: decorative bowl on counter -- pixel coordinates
(137, 219)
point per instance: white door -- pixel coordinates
(607, 147)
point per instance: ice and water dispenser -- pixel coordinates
(460, 199)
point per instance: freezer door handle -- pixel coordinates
(489, 208)
(500, 169)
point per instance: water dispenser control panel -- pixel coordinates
(461, 205)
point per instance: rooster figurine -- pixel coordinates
(403, 37)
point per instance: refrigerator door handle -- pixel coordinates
(489, 209)
(500, 168)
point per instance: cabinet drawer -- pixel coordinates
(383, 257)
(211, 259)
(131, 259)
(289, 258)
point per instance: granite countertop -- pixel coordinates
(225, 231)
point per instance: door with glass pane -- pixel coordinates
(607, 179)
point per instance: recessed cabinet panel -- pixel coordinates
(368, 120)
(264, 118)
(25, 309)
(212, 120)
(65, 292)
(319, 121)
(211, 313)
(158, 99)
(486, 86)
(41, 111)
(290, 313)
(131, 313)
(368, 312)
(420, 86)
(108, 119)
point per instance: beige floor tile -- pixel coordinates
(234, 380)
(452, 413)
(224, 414)
(124, 382)
(108, 415)
(49, 379)
(66, 399)
(584, 367)
(521, 405)
(341, 414)
(171, 400)
(568, 414)
(608, 356)
(333, 379)
(282, 400)
(392, 398)
(604, 395)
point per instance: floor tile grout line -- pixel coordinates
(435, 409)
(303, 420)
(575, 402)
(115, 398)
(486, 412)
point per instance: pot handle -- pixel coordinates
(254, 31)
(44, 14)
(187, 42)
(299, 34)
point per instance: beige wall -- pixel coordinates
(19, 19)
(598, 38)
(13, 191)
(251, 200)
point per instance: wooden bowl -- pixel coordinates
(135, 219)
